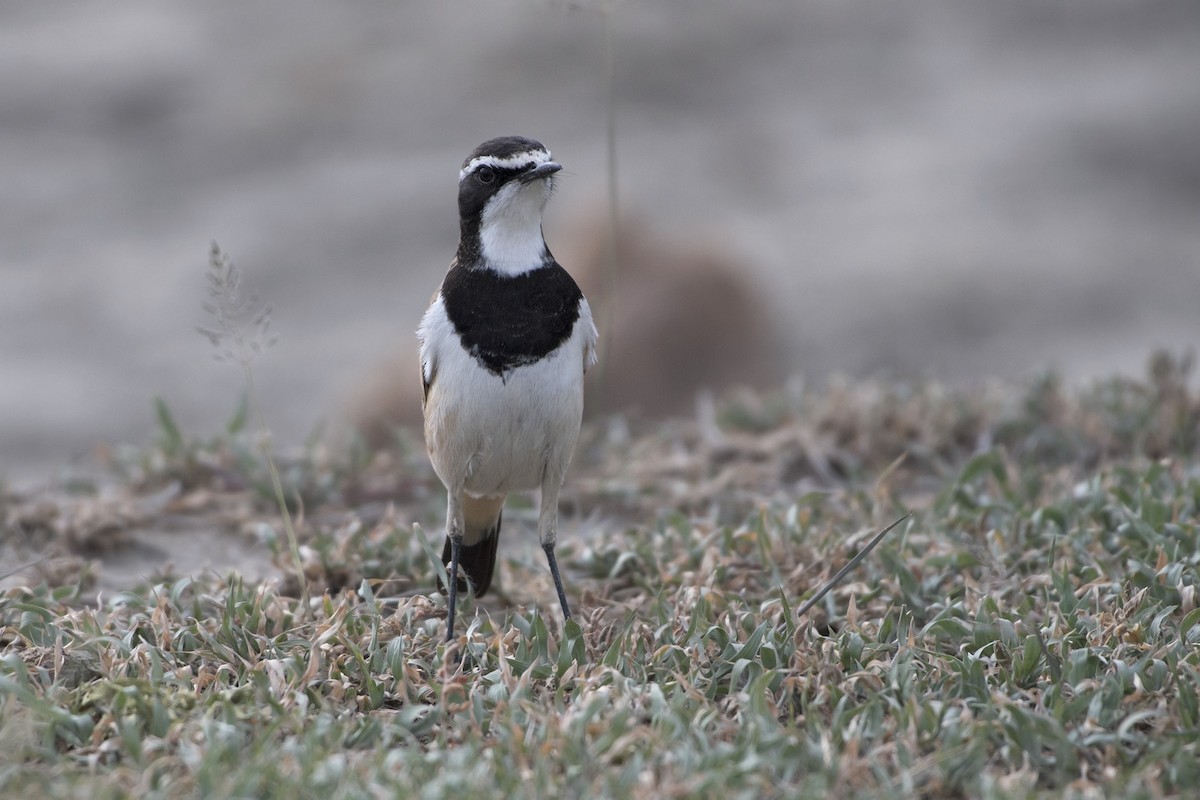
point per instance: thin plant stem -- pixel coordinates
(610, 74)
(241, 333)
(276, 482)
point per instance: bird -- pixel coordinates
(504, 346)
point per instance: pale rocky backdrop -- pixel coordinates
(938, 188)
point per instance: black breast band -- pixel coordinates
(511, 321)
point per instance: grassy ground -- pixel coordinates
(1031, 631)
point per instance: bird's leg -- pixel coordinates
(562, 597)
(548, 532)
(454, 530)
(452, 590)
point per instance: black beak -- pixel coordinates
(540, 171)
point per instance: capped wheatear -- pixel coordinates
(504, 347)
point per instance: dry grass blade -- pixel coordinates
(23, 567)
(851, 564)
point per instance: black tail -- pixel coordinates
(476, 562)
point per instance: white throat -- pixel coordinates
(510, 230)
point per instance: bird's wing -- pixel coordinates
(427, 374)
(590, 334)
(428, 334)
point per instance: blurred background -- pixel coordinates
(931, 188)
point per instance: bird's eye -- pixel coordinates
(485, 175)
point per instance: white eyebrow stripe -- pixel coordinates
(518, 160)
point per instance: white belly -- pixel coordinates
(490, 437)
